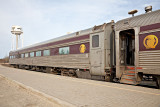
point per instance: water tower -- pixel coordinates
(16, 30)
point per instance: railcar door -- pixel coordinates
(127, 47)
(96, 53)
(126, 57)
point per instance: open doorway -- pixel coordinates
(127, 47)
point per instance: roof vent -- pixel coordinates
(132, 12)
(77, 33)
(148, 9)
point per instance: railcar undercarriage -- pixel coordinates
(77, 73)
(81, 73)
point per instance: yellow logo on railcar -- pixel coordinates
(150, 41)
(82, 48)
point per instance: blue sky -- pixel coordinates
(46, 19)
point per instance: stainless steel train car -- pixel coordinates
(127, 51)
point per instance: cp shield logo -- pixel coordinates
(82, 48)
(150, 41)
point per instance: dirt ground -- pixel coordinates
(12, 95)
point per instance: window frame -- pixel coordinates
(10, 57)
(30, 54)
(48, 54)
(22, 55)
(66, 48)
(95, 45)
(40, 53)
(26, 54)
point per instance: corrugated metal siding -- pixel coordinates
(140, 20)
(149, 59)
(80, 61)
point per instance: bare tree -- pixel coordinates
(5, 60)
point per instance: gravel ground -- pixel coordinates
(12, 95)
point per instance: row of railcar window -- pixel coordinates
(62, 51)
(12, 57)
(35, 54)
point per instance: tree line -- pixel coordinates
(4, 60)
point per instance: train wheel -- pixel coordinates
(108, 78)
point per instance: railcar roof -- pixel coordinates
(82, 32)
(139, 20)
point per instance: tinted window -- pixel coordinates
(38, 53)
(26, 55)
(64, 50)
(95, 41)
(46, 52)
(31, 54)
(22, 55)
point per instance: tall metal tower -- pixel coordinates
(16, 30)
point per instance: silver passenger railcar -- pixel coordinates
(86, 54)
(127, 51)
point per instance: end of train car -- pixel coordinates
(138, 49)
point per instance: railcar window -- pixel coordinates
(31, 54)
(95, 41)
(22, 55)
(26, 55)
(38, 53)
(64, 50)
(13, 57)
(46, 52)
